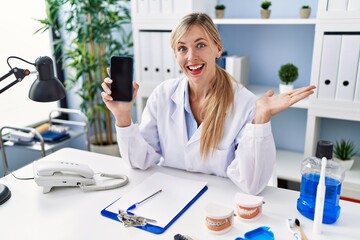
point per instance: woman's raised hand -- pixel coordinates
(269, 105)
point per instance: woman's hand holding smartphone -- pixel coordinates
(121, 73)
(120, 89)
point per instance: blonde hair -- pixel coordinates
(220, 96)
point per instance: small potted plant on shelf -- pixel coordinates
(219, 10)
(265, 11)
(288, 73)
(305, 11)
(344, 150)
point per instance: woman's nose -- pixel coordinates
(192, 54)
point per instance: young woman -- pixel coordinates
(206, 121)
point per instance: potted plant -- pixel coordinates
(265, 11)
(89, 33)
(219, 10)
(288, 73)
(344, 150)
(305, 11)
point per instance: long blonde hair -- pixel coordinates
(220, 96)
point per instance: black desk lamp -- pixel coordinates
(46, 88)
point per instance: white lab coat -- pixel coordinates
(246, 153)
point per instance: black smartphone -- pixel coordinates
(121, 72)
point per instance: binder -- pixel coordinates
(168, 56)
(167, 6)
(178, 71)
(177, 195)
(329, 66)
(155, 6)
(156, 57)
(145, 55)
(238, 68)
(349, 57)
(182, 7)
(143, 6)
(357, 87)
(337, 5)
(354, 5)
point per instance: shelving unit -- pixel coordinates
(338, 21)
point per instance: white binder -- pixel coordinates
(357, 85)
(145, 55)
(155, 6)
(156, 57)
(168, 56)
(329, 66)
(238, 68)
(143, 6)
(167, 6)
(178, 71)
(354, 5)
(349, 57)
(181, 6)
(337, 5)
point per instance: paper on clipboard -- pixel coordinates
(176, 194)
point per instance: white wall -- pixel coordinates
(17, 28)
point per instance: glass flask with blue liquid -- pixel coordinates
(310, 171)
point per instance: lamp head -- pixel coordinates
(46, 88)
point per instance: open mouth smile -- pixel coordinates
(195, 68)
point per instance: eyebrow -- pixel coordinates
(197, 40)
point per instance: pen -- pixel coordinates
(142, 201)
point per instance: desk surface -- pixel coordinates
(69, 213)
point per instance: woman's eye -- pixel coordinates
(201, 45)
(182, 49)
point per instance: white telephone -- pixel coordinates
(50, 174)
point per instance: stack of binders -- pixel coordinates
(340, 68)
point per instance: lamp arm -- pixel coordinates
(19, 73)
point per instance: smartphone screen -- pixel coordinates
(121, 72)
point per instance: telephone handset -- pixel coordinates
(48, 168)
(50, 174)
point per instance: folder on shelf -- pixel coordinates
(337, 5)
(167, 6)
(143, 6)
(145, 55)
(354, 5)
(155, 6)
(177, 195)
(168, 56)
(329, 66)
(156, 57)
(357, 85)
(349, 58)
(238, 67)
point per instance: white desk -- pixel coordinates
(69, 213)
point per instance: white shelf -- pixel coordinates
(260, 90)
(259, 21)
(288, 165)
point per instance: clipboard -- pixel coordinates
(177, 195)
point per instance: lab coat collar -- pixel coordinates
(178, 111)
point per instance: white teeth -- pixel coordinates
(195, 67)
(247, 212)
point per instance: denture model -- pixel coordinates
(248, 207)
(219, 219)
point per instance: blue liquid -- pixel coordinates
(306, 202)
